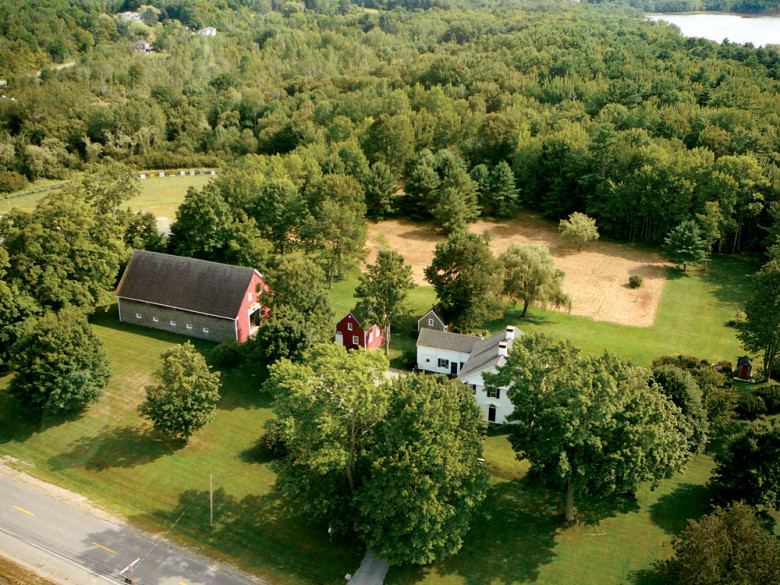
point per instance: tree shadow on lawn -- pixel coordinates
(240, 388)
(259, 453)
(730, 278)
(19, 424)
(263, 533)
(513, 535)
(117, 447)
(688, 502)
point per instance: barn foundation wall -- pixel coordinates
(190, 324)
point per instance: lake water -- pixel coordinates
(759, 30)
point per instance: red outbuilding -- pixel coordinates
(357, 330)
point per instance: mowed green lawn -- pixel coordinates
(160, 195)
(111, 455)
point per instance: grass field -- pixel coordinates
(161, 196)
(691, 318)
(13, 574)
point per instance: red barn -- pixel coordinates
(357, 330)
(193, 297)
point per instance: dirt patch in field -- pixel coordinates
(596, 277)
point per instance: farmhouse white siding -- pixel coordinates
(433, 359)
(501, 403)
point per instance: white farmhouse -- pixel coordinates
(468, 357)
(208, 31)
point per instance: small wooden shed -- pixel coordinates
(744, 368)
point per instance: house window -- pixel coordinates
(138, 315)
(430, 322)
(189, 326)
(205, 330)
(444, 363)
(173, 323)
(491, 413)
(473, 388)
(494, 393)
(371, 337)
(355, 340)
(249, 297)
(349, 326)
(155, 319)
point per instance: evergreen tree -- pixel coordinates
(380, 185)
(504, 191)
(685, 245)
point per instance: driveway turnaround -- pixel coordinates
(71, 546)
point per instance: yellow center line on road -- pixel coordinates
(104, 548)
(23, 510)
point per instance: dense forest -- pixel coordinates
(480, 109)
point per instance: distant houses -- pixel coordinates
(143, 46)
(134, 16)
(355, 330)
(208, 300)
(468, 357)
(208, 31)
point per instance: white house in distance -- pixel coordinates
(208, 31)
(468, 357)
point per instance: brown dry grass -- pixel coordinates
(13, 574)
(596, 277)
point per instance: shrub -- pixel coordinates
(771, 397)
(227, 354)
(636, 280)
(11, 181)
(750, 406)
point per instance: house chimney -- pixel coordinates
(502, 349)
(510, 331)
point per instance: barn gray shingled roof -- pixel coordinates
(447, 340)
(185, 283)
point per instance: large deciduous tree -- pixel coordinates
(110, 184)
(595, 424)
(686, 245)
(467, 280)
(759, 331)
(337, 227)
(326, 410)
(384, 288)
(301, 314)
(748, 468)
(425, 479)
(681, 388)
(731, 545)
(59, 363)
(579, 229)
(186, 394)
(531, 276)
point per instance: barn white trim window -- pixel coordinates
(155, 319)
(205, 330)
(430, 322)
(371, 337)
(189, 326)
(138, 316)
(173, 323)
(355, 340)
(349, 326)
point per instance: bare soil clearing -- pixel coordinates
(596, 277)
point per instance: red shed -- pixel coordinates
(356, 330)
(193, 297)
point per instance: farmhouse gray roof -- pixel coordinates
(183, 283)
(485, 355)
(447, 340)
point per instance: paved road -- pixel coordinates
(71, 546)
(372, 571)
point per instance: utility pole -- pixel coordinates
(129, 568)
(211, 500)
